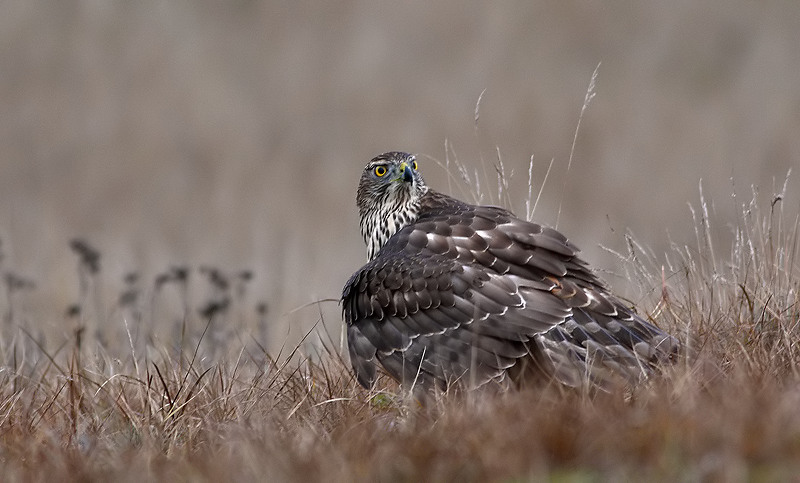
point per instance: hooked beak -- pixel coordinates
(408, 173)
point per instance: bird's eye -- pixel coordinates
(380, 171)
(414, 165)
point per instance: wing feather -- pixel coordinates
(466, 292)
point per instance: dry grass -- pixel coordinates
(179, 132)
(212, 405)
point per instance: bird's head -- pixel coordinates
(388, 197)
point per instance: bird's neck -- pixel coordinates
(379, 225)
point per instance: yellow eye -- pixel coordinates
(414, 165)
(380, 171)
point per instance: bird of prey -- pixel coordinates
(464, 295)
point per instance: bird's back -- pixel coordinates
(471, 294)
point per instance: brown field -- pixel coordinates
(177, 219)
(210, 403)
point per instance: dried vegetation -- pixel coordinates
(127, 393)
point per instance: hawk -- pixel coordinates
(461, 294)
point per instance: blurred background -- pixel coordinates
(232, 134)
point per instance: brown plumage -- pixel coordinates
(462, 294)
